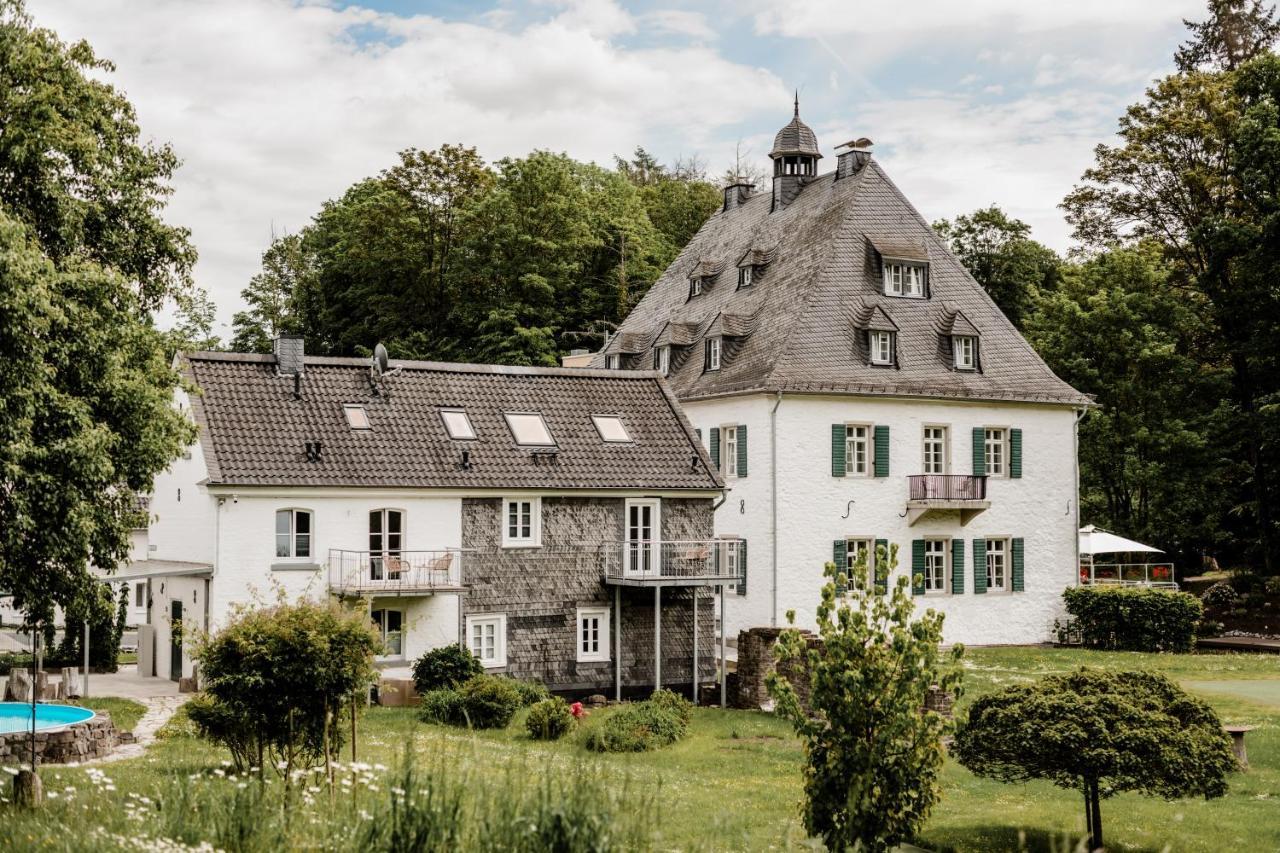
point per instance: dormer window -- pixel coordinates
(904, 279)
(695, 286)
(881, 347)
(711, 355)
(744, 276)
(662, 360)
(612, 361)
(965, 349)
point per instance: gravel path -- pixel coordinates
(159, 710)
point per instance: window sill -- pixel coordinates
(593, 660)
(520, 546)
(295, 567)
(495, 664)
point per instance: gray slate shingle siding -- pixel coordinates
(541, 589)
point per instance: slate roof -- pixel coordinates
(254, 432)
(823, 281)
(796, 138)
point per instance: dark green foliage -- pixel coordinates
(658, 721)
(549, 719)
(669, 700)
(447, 666)
(1220, 596)
(443, 705)
(1100, 733)
(872, 753)
(1134, 619)
(531, 692)
(489, 701)
(106, 625)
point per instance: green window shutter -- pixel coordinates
(840, 556)
(917, 567)
(979, 451)
(837, 450)
(957, 566)
(742, 567)
(882, 567)
(1015, 453)
(882, 450)
(979, 566)
(742, 450)
(1016, 545)
(715, 447)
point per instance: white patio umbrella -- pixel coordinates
(1094, 540)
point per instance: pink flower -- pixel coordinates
(577, 710)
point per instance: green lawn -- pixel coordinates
(734, 783)
(125, 713)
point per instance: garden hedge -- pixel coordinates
(1134, 618)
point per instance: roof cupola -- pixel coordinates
(795, 158)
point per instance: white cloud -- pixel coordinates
(680, 22)
(276, 107)
(1052, 70)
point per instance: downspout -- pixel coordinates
(1075, 443)
(773, 503)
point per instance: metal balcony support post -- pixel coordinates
(724, 660)
(695, 645)
(657, 638)
(617, 644)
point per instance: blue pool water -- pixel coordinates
(16, 716)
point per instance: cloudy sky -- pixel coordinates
(277, 105)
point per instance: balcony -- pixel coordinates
(1157, 575)
(703, 562)
(395, 572)
(936, 493)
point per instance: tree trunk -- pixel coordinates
(1097, 815)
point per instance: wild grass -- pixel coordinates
(125, 713)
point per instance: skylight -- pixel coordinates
(611, 428)
(357, 417)
(528, 428)
(457, 423)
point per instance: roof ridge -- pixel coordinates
(432, 366)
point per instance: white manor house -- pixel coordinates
(856, 386)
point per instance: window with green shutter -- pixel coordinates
(917, 567)
(742, 567)
(979, 451)
(957, 566)
(715, 447)
(979, 566)
(881, 563)
(1016, 545)
(837, 450)
(840, 556)
(882, 450)
(1015, 453)
(742, 450)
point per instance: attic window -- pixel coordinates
(611, 428)
(903, 279)
(357, 417)
(965, 349)
(612, 361)
(662, 360)
(457, 424)
(695, 286)
(744, 276)
(711, 360)
(529, 429)
(881, 347)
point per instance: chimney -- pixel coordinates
(852, 161)
(289, 351)
(736, 193)
(786, 188)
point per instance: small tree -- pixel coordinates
(873, 753)
(1099, 733)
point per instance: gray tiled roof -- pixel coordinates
(823, 282)
(254, 432)
(796, 138)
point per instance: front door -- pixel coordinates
(641, 552)
(175, 641)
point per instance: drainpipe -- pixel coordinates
(773, 503)
(1075, 461)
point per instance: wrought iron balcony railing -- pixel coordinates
(393, 572)
(693, 562)
(947, 487)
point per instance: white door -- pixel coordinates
(642, 548)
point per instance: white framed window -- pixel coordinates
(487, 638)
(881, 347)
(998, 565)
(457, 424)
(593, 634)
(529, 429)
(695, 286)
(965, 349)
(389, 624)
(935, 565)
(857, 450)
(642, 523)
(521, 522)
(935, 450)
(713, 353)
(904, 280)
(995, 451)
(611, 429)
(612, 361)
(744, 276)
(729, 450)
(662, 360)
(856, 547)
(357, 417)
(386, 540)
(293, 533)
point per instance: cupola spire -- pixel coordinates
(795, 158)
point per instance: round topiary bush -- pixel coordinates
(1220, 596)
(549, 719)
(447, 666)
(489, 701)
(532, 692)
(656, 722)
(442, 706)
(671, 701)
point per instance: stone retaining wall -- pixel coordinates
(78, 742)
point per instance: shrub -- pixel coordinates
(1220, 596)
(1134, 618)
(1271, 586)
(658, 721)
(671, 701)
(447, 666)
(490, 701)
(443, 705)
(549, 719)
(531, 693)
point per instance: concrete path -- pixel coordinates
(127, 684)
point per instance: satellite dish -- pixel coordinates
(380, 358)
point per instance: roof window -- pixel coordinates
(881, 344)
(611, 428)
(529, 429)
(357, 417)
(965, 349)
(901, 279)
(457, 424)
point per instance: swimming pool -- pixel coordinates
(16, 716)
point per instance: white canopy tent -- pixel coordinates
(1095, 541)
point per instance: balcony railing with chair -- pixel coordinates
(395, 572)
(964, 493)
(699, 562)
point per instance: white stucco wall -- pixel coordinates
(1039, 507)
(181, 509)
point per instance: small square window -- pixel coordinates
(487, 639)
(457, 424)
(357, 417)
(521, 522)
(966, 352)
(528, 428)
(593, 634)
(611, 428)
(293, 533)
(881, 347)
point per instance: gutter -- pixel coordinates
(773, 503)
